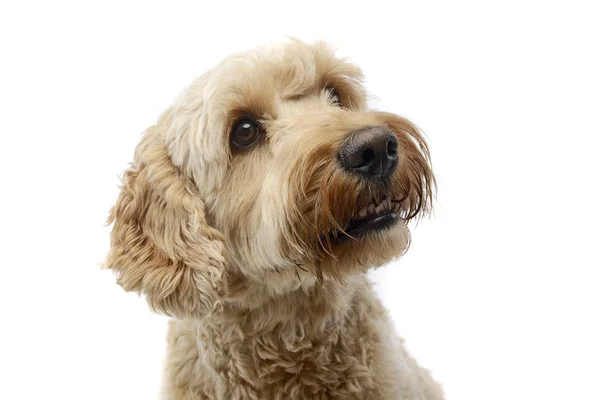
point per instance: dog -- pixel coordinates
(251, 213)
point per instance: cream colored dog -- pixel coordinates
(250, 215)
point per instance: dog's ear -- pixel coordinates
(161, 244)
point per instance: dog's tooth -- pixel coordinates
(388, 203)
(371, 208)
(379, 208)
(362, 213)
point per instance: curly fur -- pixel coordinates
(243, 249)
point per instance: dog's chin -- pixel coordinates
(374, 242)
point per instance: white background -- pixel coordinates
(499, 294)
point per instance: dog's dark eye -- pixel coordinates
(334, 95)
(245, 133)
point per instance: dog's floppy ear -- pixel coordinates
(161, 244)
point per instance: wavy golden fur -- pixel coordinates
(244, 249)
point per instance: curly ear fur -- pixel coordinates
(161, 244)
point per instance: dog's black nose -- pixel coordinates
(371, 151)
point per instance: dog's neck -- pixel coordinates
(309, 303)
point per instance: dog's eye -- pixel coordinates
(245, 133)
(334, 95)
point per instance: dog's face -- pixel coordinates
(293, 175)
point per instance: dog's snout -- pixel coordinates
(371, 152)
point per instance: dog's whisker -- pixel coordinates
(323, 245)
(319, 273)
(301, 267)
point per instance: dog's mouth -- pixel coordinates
(374, 217)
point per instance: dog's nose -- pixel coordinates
(371, 151)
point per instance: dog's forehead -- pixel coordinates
(290, 69)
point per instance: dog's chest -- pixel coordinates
(354, 356)
(289, 361)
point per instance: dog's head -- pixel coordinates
(268, 171)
